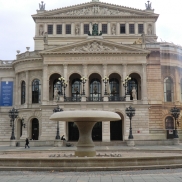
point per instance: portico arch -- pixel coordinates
(54, 82)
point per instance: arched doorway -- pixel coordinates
(73, 133)
(116, 129)
(169, 126)
(35, 129)
(54, 82)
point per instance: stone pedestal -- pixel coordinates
(13, 143)
(58, 143)
(130, 143)
(127, 97)
(176, 141)
(61, 98)
(85, 145)
(106, 99)
(83, 99)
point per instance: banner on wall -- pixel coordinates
(6, 93)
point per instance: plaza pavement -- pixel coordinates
(165, 175)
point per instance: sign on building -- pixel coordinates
(6, 93)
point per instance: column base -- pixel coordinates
(130, 143)
(13, 143)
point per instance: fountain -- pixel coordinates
(85, 121)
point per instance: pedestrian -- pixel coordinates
(27, 143)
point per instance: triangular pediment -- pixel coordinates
(95, 9)
(95, 46)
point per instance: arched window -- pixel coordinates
(131, 84)
(58, 84)
(169, 123)
(36, 91)
(76, 88)
(23, 91)
(181, 89)
(114, 87)
(168, 89)
(95, 89)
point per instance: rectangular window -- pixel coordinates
(104, 28)
(131, 28)
(122, 29)
(140, 28)
(86, 28)
(50, 29)
(59, 29)
(68, 29)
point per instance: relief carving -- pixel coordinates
(113, 29)
(41, 30)
(77, 30)
(149, 29)
(96, 10)
(94, 47)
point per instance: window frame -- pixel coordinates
(131, 28)
(59, 29)
(50, 29)
(168, 94)
(123, 26)
(36, 87)
(68, 29)
(104, 29)
(23, 92)
(140, 28)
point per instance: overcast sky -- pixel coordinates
(17, 26)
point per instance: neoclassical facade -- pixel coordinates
(66, 48)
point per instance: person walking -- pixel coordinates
(27, 143)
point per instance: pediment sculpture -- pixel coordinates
(97, 10)
(94, 47)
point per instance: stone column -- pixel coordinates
(63, 29)
(16, 90)
(127, 28)
(65, 67)
(154, 29)
(81, 29)
(104, 73)
(106, 131)
(177, 91)
(45, 86)
(144, 84)
(109, 28)
(54, 29)
(45, 27)
(136, 28)
(27, 88)
(124, 76)
(145, 28)
(73, 29)
(117, 28)
(90, 27)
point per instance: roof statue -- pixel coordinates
(42, 6)
(95, 0)
(148, 6)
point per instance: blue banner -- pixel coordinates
(6, 93)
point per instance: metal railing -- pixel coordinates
(116, 98)
(72, 99)
(94, 99)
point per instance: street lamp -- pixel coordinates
(62, 80)
(125, 84)
(130, 112)
(13, 113)
(57, 109)
(83, 80)
(175, 112)
(105, 80)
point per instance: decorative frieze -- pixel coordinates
(97, 10)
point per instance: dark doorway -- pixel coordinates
(74, 133)
(116, 130)
(35, 129)
(169, 125)
(97, 132)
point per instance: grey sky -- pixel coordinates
(17, 26)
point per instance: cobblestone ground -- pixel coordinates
(165, 175)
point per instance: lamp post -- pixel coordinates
(57, 109)
(105, 80)
(130, 112)
(13, 113)
(175, 112)
(83, 80)
(62, 80)
(125, 84)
